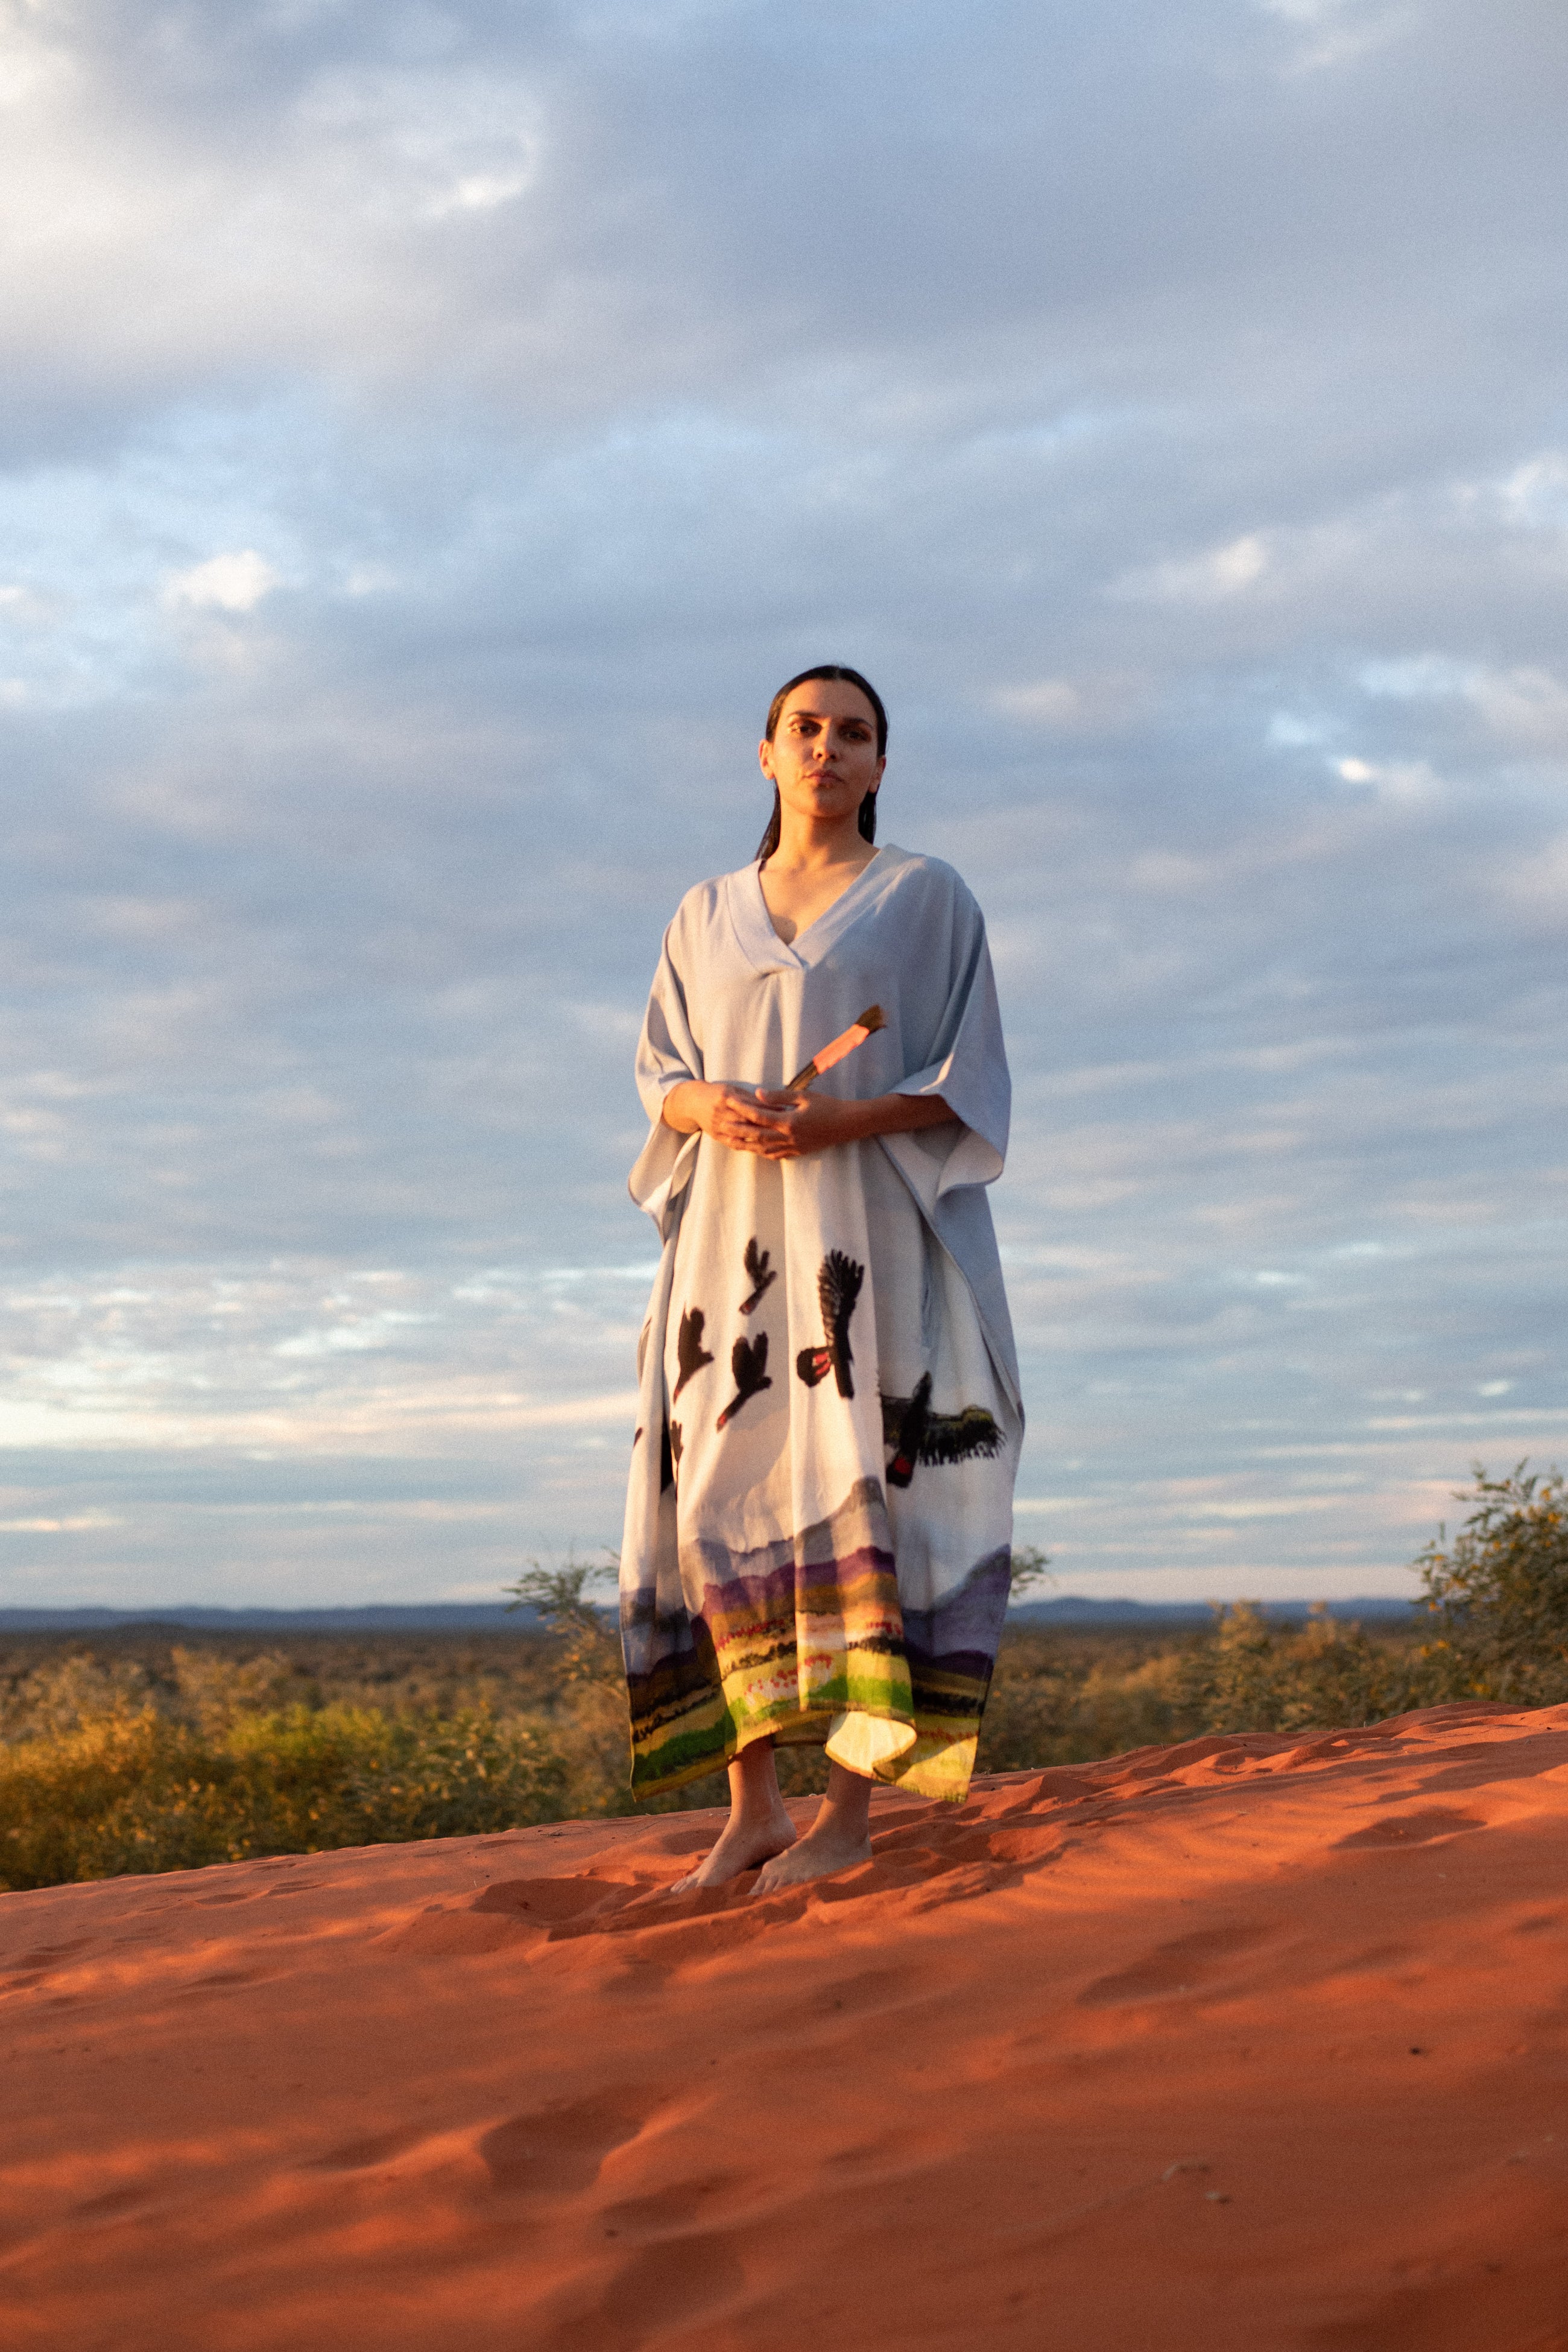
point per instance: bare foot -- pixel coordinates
(742, 1845)
(827, 1847)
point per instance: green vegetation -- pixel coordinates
(130, 1792)
(1498, 1595)
(137, 1753)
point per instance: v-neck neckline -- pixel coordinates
(788, 953)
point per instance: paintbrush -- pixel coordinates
(866, 1025)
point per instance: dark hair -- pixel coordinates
(867, 812)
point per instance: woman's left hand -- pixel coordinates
(810, 1123)
(806, 1123)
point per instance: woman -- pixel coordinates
(820, 1522)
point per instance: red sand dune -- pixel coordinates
(1254, 2042)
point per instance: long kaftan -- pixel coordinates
(818, 1521)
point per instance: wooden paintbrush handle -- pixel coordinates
(866, 1025)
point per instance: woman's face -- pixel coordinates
(823, 757)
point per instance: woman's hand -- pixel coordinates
(810, 1122)
(779, 1125)
(732, 1115)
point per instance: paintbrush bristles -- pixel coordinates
(871, 1020)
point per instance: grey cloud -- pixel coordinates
(780, 189)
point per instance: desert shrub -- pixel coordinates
(1056, 1701)
(1250, 1676)
(1498, 1595)
(62, 1692)
(215, 1691)
(589, 1721)
(145, 1791)
(584, 1636)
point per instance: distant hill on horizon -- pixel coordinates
(1068, 1609)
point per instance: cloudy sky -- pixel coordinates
(431, 432)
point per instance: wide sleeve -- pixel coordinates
(965, 1061)
(668, 1054)
(947, 1168)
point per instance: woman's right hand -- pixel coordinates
(731, 1114)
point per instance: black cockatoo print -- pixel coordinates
(918, 1434)
(759, 1273)
(904, 1423)
(749, 1363)
(839, 1289)
(689, 1352)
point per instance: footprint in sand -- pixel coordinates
(365, 2155)
(559, 2149)
(1411, 1829)
(1176, 1968)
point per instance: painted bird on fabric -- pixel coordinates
(839, 1289)
(689, 1352)
(759, 1272)
(918, 1434)
(749, 1363)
